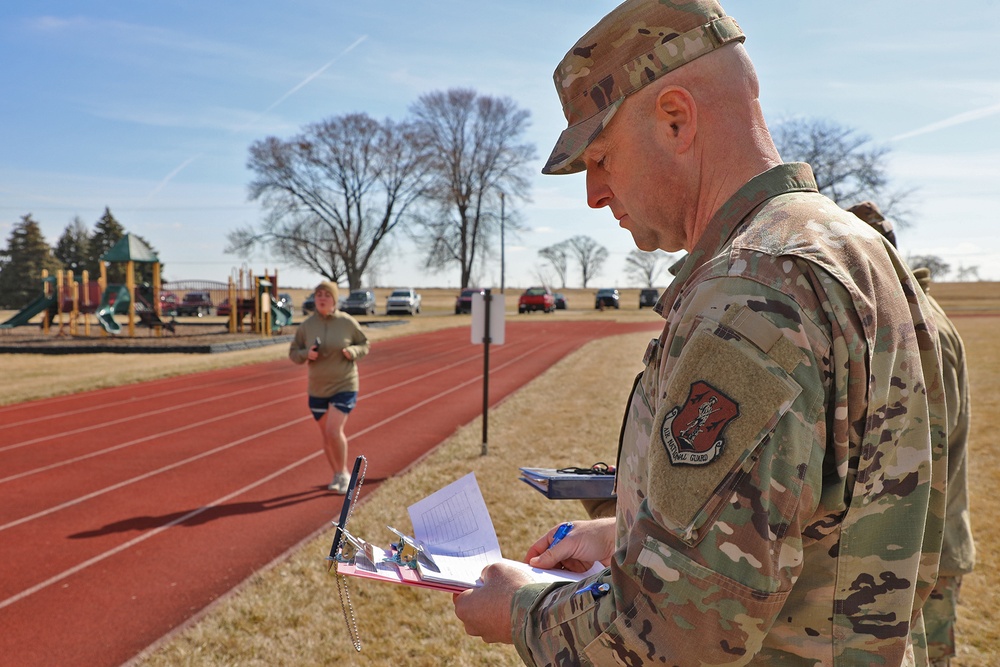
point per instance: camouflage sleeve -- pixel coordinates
(734, 471)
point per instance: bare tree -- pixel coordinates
(967, 274)
(936, 265)
(646, 267)
(558, 257)
(849, 168)
(334, 193)
(590, 254)
(476, 155)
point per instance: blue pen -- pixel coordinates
(561, 532)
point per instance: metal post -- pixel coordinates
(486, 371)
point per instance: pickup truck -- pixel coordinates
(195, 303)
(536, 298)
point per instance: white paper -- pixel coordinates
(454, 527)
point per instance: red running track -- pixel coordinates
(124, 512)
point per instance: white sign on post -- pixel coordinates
(479, 319)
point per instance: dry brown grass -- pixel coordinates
(978, 631)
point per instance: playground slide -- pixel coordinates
(106, 316)
(39, 305)
(280, 316)
(106, 313)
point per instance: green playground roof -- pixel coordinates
(130, 249)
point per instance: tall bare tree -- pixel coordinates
(848, 166)
(476, 149)
(646, 267)
(590, 255)
(334, 193)
(558, 257)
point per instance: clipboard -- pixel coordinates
(353, 489)
(559, 485)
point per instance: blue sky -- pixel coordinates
(149, 108)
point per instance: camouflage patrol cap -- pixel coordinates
(870, 213)
(638, 42)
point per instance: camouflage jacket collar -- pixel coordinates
(783, 179)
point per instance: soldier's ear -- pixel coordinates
(677, 115)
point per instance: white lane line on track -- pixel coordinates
(196, 425)
(167, 409)
(94, 494)
(156, 531)
(152, 533)
(111, 423)
(160, 394)
(141, 415)
(116, 404)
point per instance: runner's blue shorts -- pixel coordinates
(344, 401)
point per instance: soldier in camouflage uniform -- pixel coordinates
(958, 551)
(781, 469)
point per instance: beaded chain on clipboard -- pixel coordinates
(340, 540)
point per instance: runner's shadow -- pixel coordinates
(202, 515)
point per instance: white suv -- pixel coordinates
(402, 300)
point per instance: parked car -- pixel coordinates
(536, 298)
(168, 303)
(607, 298)
(463, 302)
(359, 302)
(196, 303)
(560, 301)
(648, 297)
(309, 304)
(402, 301)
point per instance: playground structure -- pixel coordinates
(68, 302)
(256, 296)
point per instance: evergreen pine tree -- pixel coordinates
(107, 232)
(22, 262)
(73, 248)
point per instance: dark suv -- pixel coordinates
(463, 302)
(606, 298)
(359, 302)
(648, 297)
(195, 303)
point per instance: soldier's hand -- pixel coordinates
(485, 611)
(589, 542)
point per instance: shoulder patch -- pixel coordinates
(692, 432)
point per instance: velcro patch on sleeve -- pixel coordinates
(723, 398)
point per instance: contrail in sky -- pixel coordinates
(162, 184)
(315, 74)
(959, 119)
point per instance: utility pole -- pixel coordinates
(502, 244)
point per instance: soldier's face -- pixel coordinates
(629, 171)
